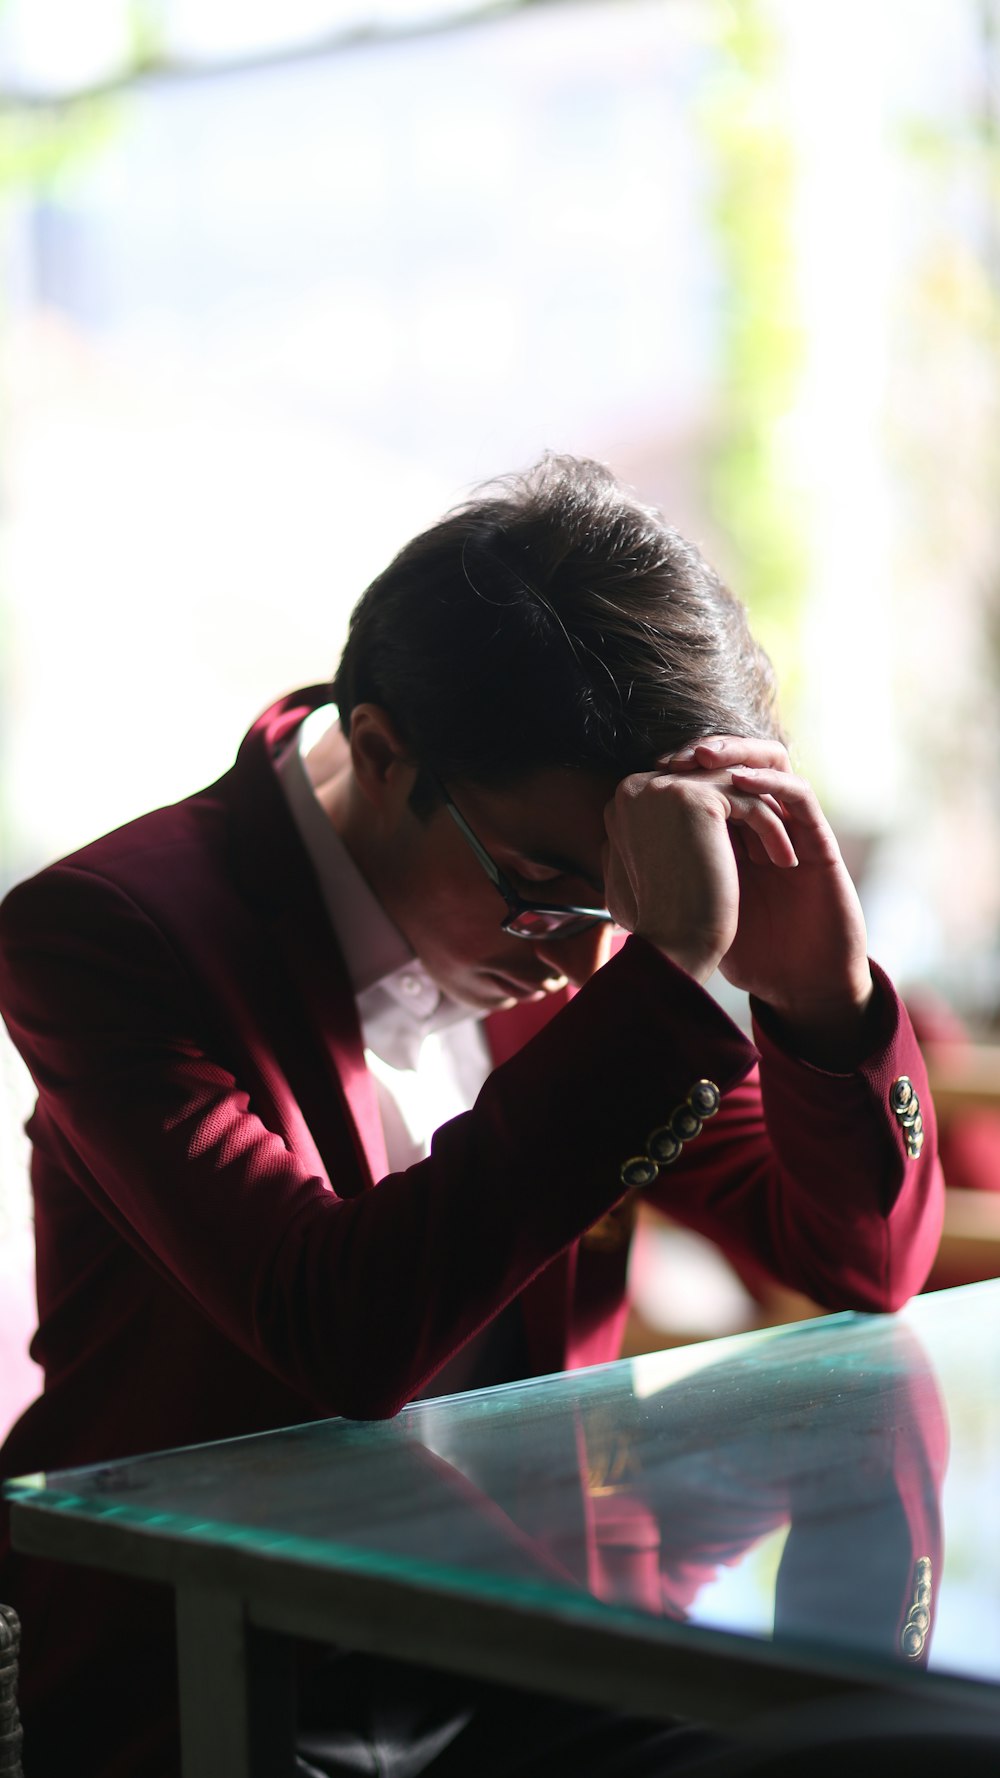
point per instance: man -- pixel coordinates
(323, 1123)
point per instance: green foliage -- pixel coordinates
(40, 145)
(147, 34)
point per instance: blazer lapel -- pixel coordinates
(275, 872)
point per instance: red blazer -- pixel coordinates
(218, 1251)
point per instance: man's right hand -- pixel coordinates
(670, 870)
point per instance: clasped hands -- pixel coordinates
(723, 859)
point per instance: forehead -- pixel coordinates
(554, 816)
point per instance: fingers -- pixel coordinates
(762, 768)
(766, 837)
(747, 846)
(753, 807)
(798, 807)
(765, 761)
(714, 752)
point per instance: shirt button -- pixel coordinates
(410, 985)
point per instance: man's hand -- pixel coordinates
(724, 859)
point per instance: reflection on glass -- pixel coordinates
(803, 1440)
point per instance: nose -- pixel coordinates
(577, 958)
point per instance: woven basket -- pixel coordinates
(10, 1721)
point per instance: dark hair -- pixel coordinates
(552, 620)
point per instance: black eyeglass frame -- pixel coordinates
(571, 920)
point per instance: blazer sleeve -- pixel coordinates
(353, 1298)
(819, 1176)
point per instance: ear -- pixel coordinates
(384, 769)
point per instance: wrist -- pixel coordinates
(694, 960)
(832, 1031)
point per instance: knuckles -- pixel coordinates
(659, 789)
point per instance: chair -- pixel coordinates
(10, 1721)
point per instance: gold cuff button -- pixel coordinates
(685, 1123)
(906, 1110)
(901, 1094)
(664, 1146)
(704, 1098)
(640, 1170)
(918, 1618)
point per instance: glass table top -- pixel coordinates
(830, 1484)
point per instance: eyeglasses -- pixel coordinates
(525, 919)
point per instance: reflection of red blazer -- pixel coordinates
(845, 1444)
(836, 1434)
(214, 1256)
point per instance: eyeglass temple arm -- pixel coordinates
(492, 869)
(496, 875)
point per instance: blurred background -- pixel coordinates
(283, 279)
(280, 280)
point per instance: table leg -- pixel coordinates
(237, 1690)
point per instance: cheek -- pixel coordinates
(455, 920)
(444, 904)
(465, 932)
